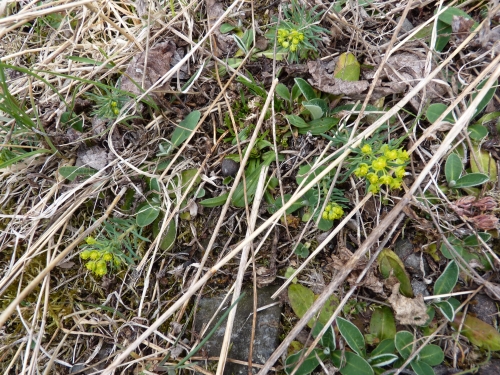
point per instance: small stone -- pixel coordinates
(229, 167)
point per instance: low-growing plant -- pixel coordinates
(114, 246)
(298, 33)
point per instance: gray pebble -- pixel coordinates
(229, 167)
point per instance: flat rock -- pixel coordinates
(267, 331)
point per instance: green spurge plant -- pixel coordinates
(298, 32)
(113, 248)
(381, 166)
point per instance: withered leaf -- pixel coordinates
(411, 311)
(151, 69)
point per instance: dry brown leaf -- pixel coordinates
(222, 43)
(94, 157)
(323, 79)
(411, 311)
(151, 70)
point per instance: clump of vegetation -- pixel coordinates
(113, 247)
(298, 33)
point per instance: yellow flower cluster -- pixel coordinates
(114, 107)
(290, 39)
(98, 258)
(332, 212)
(385, 167)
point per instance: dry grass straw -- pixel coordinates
(45, 219)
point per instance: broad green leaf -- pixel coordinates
(453, 168)
(328, 308)
(226, 27)
(404, 343)
(471, 179)
(147, 214)
(70, 173)
(185, 128)
(278, 203)
(169, 236)
(487, 98)
(352, 335)
(319, 126)
(389, 263)
(382, 323)
(316, 105)
(473, 241)
(305, 88)
(295, 91)
(301, 251)
(241, 45)
(382, 360)
(431, 354)
(435, 110)
(385, 347)
(309, 364)
(252, 180)
(485, 160)
(447, 15)
(325, 225)
(421, 368)
(216, 201)
(328, 339)
(351, 363)
(315, 111)
(446, 309)
(296, 121)
(301, 299)
(283, 92)
(347, 68)
(444, 33)
(187, 177)
(478, 332)
(477, 131)
(448, 279)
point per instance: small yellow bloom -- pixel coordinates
(285, 44)
(391, 154)
(293, 48)
(399, 172)
(107, 257)
(94, 255)
(366, 149)
(295, 41)
(362, 170)
(374, 189)
(385, 180)
(90, 266)
(324, 215)
(403, 155)
(396, 183)
(85, 254)
(379, 164)
(91, 240)
(301, 37)
(372, 177)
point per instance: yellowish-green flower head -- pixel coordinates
(399, 172)
(379, 164)
(373, 178)
(396, 183)
(403, 155)
(385, 180)
(391, 154)
(332, 212)
(91, 240)
(366, 149)
(362, 170)
(85, 254)
(94, 255)
(374, 189)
